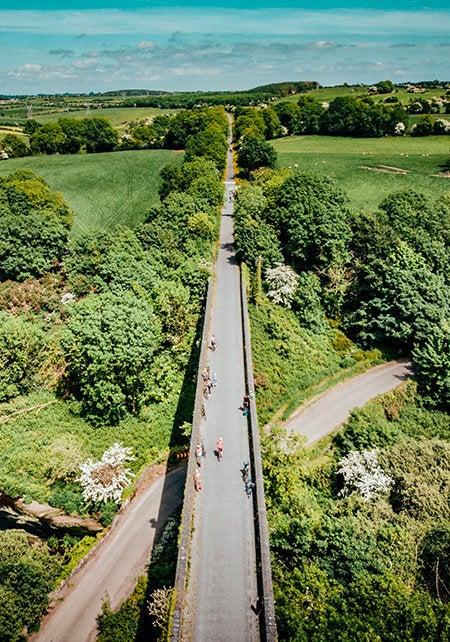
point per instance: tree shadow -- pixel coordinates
(164, 573)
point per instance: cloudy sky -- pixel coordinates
(51, 46)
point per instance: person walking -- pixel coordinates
(219, 448)
(197, 481)
(249, 485)
(245, 471)
(199, 454)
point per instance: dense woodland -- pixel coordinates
(100, 333)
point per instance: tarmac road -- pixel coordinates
(116, 565)
(328, 411)
(223, 580)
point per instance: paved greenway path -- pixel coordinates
(223, 583)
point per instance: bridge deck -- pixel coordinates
(223, 581)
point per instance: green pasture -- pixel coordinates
(356, 164)
(327, 94)
(119, 117)
(104, 190)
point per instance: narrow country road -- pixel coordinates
(115, 567)
(326, 412)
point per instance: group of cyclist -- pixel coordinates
(208, 383)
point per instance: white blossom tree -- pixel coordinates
(105, 479)
(282, 281)
(363, 475)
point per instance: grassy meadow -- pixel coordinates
(104, 190)
(119, 117)
(327, 94)
(362, 167)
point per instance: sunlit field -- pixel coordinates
(368, 169)
(104, 190)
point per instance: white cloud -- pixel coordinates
(29, 68)
(146, 44)
(84, 64)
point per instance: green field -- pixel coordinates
(327, 94)
(104, 190)
(345, 160)
(119, 117)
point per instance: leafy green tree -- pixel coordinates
(34, 226)
(436, 561)
(183, 125)
(249, 123)
(385, 86)
(421, 478)
(344, 117)
(349, 116)
(307, 302)
(256, 241)
(21, 348)
(30, 126)
(290, 116)
(210, 143)
(27, 573)
(432, 361)
(48, 139)
(272, 123)
(254, 153)
(424, 126)
(404, 298)
(312, 217)
(100, 135)
(74, 135)
(310, 117)
(199, 178)
(14, 146)
(108, 345)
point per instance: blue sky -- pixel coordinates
(81, 46)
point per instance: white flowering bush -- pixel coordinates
(68, 297)
(282, 281)
(105, 479)
(363, 475)
(400, 129)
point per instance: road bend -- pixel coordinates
(222, 580)
(328, 411)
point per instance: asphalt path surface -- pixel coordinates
(223, 582)
(116, 564)
(328, 411)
